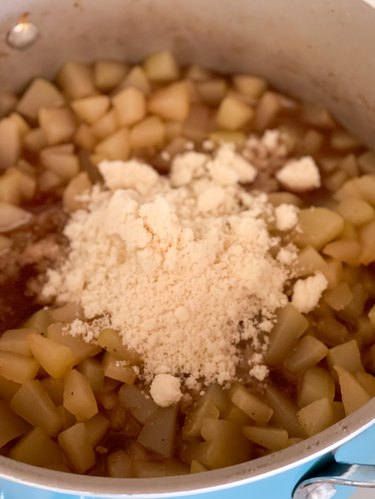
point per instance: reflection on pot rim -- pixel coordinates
(23, 34)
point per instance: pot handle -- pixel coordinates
(323, 486)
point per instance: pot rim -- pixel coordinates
(241, 474)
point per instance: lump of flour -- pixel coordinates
(182, 266)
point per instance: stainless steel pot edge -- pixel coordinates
(312, 448)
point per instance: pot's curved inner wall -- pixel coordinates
(321, 50)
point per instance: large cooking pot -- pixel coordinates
(321, 50)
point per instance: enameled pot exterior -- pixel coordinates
(321, 50)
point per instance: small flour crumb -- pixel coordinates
(300, 174)
(165, 390)
(287, 256)
(259, 372)
(134, 175)
(307, 292)
(228, 167)
(286, 216)
(165, 156)
(185, 167)
(87, 330)
(208, 145)
(266, 325)
(271, 139)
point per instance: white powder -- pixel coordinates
(228, 167)
(134, 176)
(300, 174)
(287, 255)
(271, 139)
(257, 369)
(307, 292)
(181, 266)
(259, 372)
(165, 390)
(208, 145)
(286, 216)
(87, 330)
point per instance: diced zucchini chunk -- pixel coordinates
(39, 321)
(79, 398)
(161, 67)
(110, 340)
(91, 109)
(196, 467)
(158, 433)
(345, 250)
(353, 394)
(339, 297)
(40, 93)
(347, 356)
(367, 242)
(139, 404)
(109, 74)
(16, 367)
(54, 388)
(250, 86)
(58, 124)
(76, 79)
(148, 133)
(129, 106)
(356, 211)
(119, 465)
(212, 91)
(233, 114)
(81, 349)
(284, 411)
(10, 143)
(258, 410)
(170, 103)
(318, 227)
(314, 384)
(270, 437)
(229, 447)
(317, 416)
(38, 449)
(105, 126)
(115, 146)
(205, 408)
(15, 340)
(77, 446)
(367, 381)
(33, 404)
(55, 358)
(93, 371)
(117, 369)
(12, 426)
(12, 217)
(97, 427)
(307, 352)
(290, 325)
(8, 388)
(136, 78)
